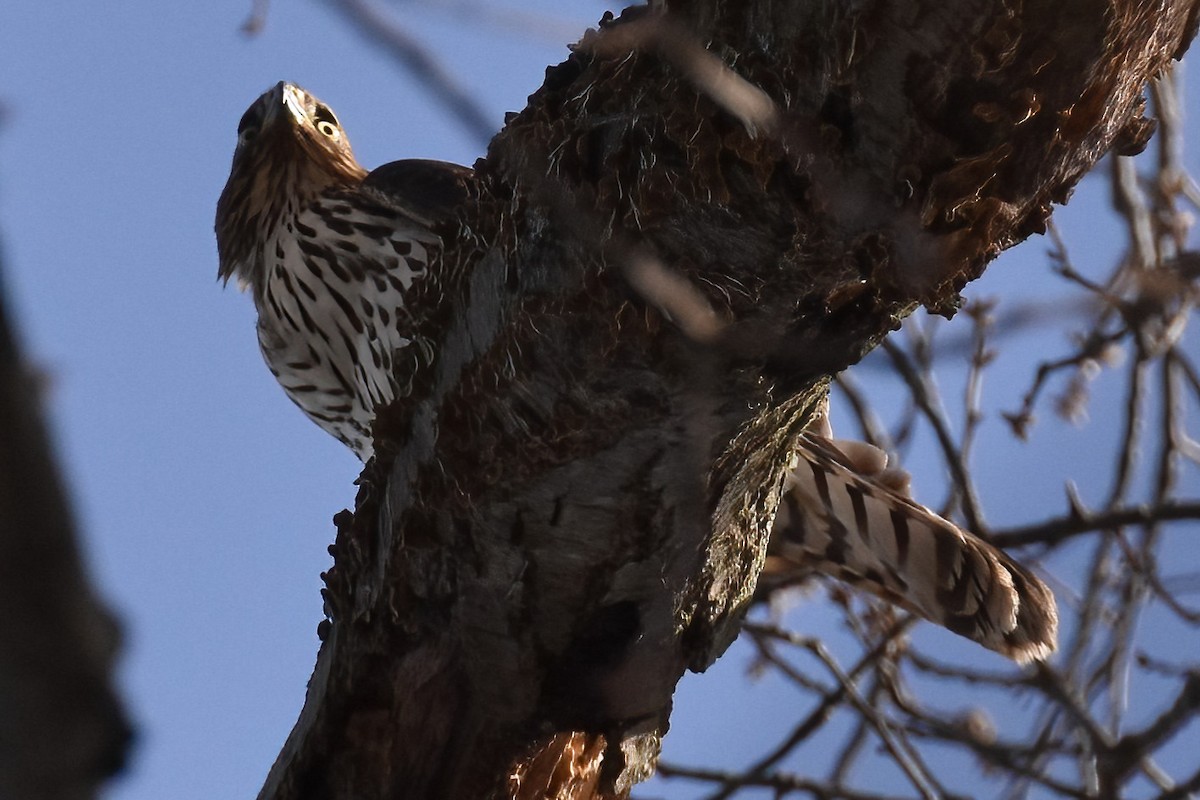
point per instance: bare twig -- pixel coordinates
(257, 19)
(925, 398)
(379, 27)
(1058, 530)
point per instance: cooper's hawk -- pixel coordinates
(329, 253)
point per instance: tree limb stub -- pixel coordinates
(695, 222)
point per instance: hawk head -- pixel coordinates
(290, 148)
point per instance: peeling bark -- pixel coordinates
(640, 312)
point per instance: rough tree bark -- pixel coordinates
(62, 727)
(696, 221)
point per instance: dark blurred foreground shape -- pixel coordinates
(63, 730)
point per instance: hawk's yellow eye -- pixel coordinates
(248, 126)
(327, 123)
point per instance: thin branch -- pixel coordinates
(257, 19)
(1058, 530)
(780, 782)
(923, 395)
(818, 716)
(1130, 205)
(379, 27)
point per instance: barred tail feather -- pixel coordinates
(836, 520)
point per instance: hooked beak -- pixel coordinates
(286, 98)
(293, 100)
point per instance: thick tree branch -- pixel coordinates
(573, 504)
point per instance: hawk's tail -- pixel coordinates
(837, 520)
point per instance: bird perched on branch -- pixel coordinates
(331, 254)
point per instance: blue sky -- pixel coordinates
(205, 497)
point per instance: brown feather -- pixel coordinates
(429, 191)
(837, 520)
